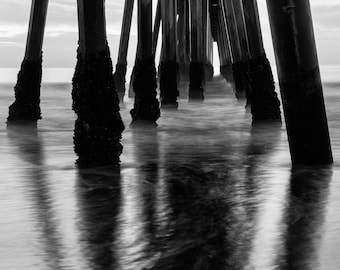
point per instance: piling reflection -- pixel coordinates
(199, 219)
(180, 208)
(138, 218)
(171, 208)
(263, 141)
(29, 145)
(264, 138)
(147, 152)
(190, 208)
(210, 213)
(305, 216)
(98, 196)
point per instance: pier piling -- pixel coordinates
(99, 126)
(224, 49)
(156, 27)
(121, 65)
(196, 73)
(206, 42)
(183, 29)
(146, 105)
(26, 106)
(265, 104)
(300, 82)
(169, 65)
(239, 53)
(189, 28)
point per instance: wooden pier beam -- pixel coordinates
(146, 106)
(265, 104)
(98, 127)
(300, 82)
(26, 106)
(121, 65)
(168, 64)
(197, 80)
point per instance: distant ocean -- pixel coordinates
(205, 190)
(329, 73)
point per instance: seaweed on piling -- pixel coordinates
(265, 104)
(98, 128)
(26, 106)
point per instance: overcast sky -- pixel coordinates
(61, 31)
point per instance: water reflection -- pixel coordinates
(189, 208)
(29, 146)
(172, 207)
(304, 218)
(147, 153)
(138, 218)
(263, 141)
(98, 198)
(201, 215)
(262, 144)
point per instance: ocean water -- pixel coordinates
(204, 190)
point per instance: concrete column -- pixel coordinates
(121, 65)
(196, 85)
(169, 65)
(265, 104)
(146, 105)
(98, 127)
(300, 82)
(26, 106)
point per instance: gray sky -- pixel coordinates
(61, 31)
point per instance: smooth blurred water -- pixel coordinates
(204, 190)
